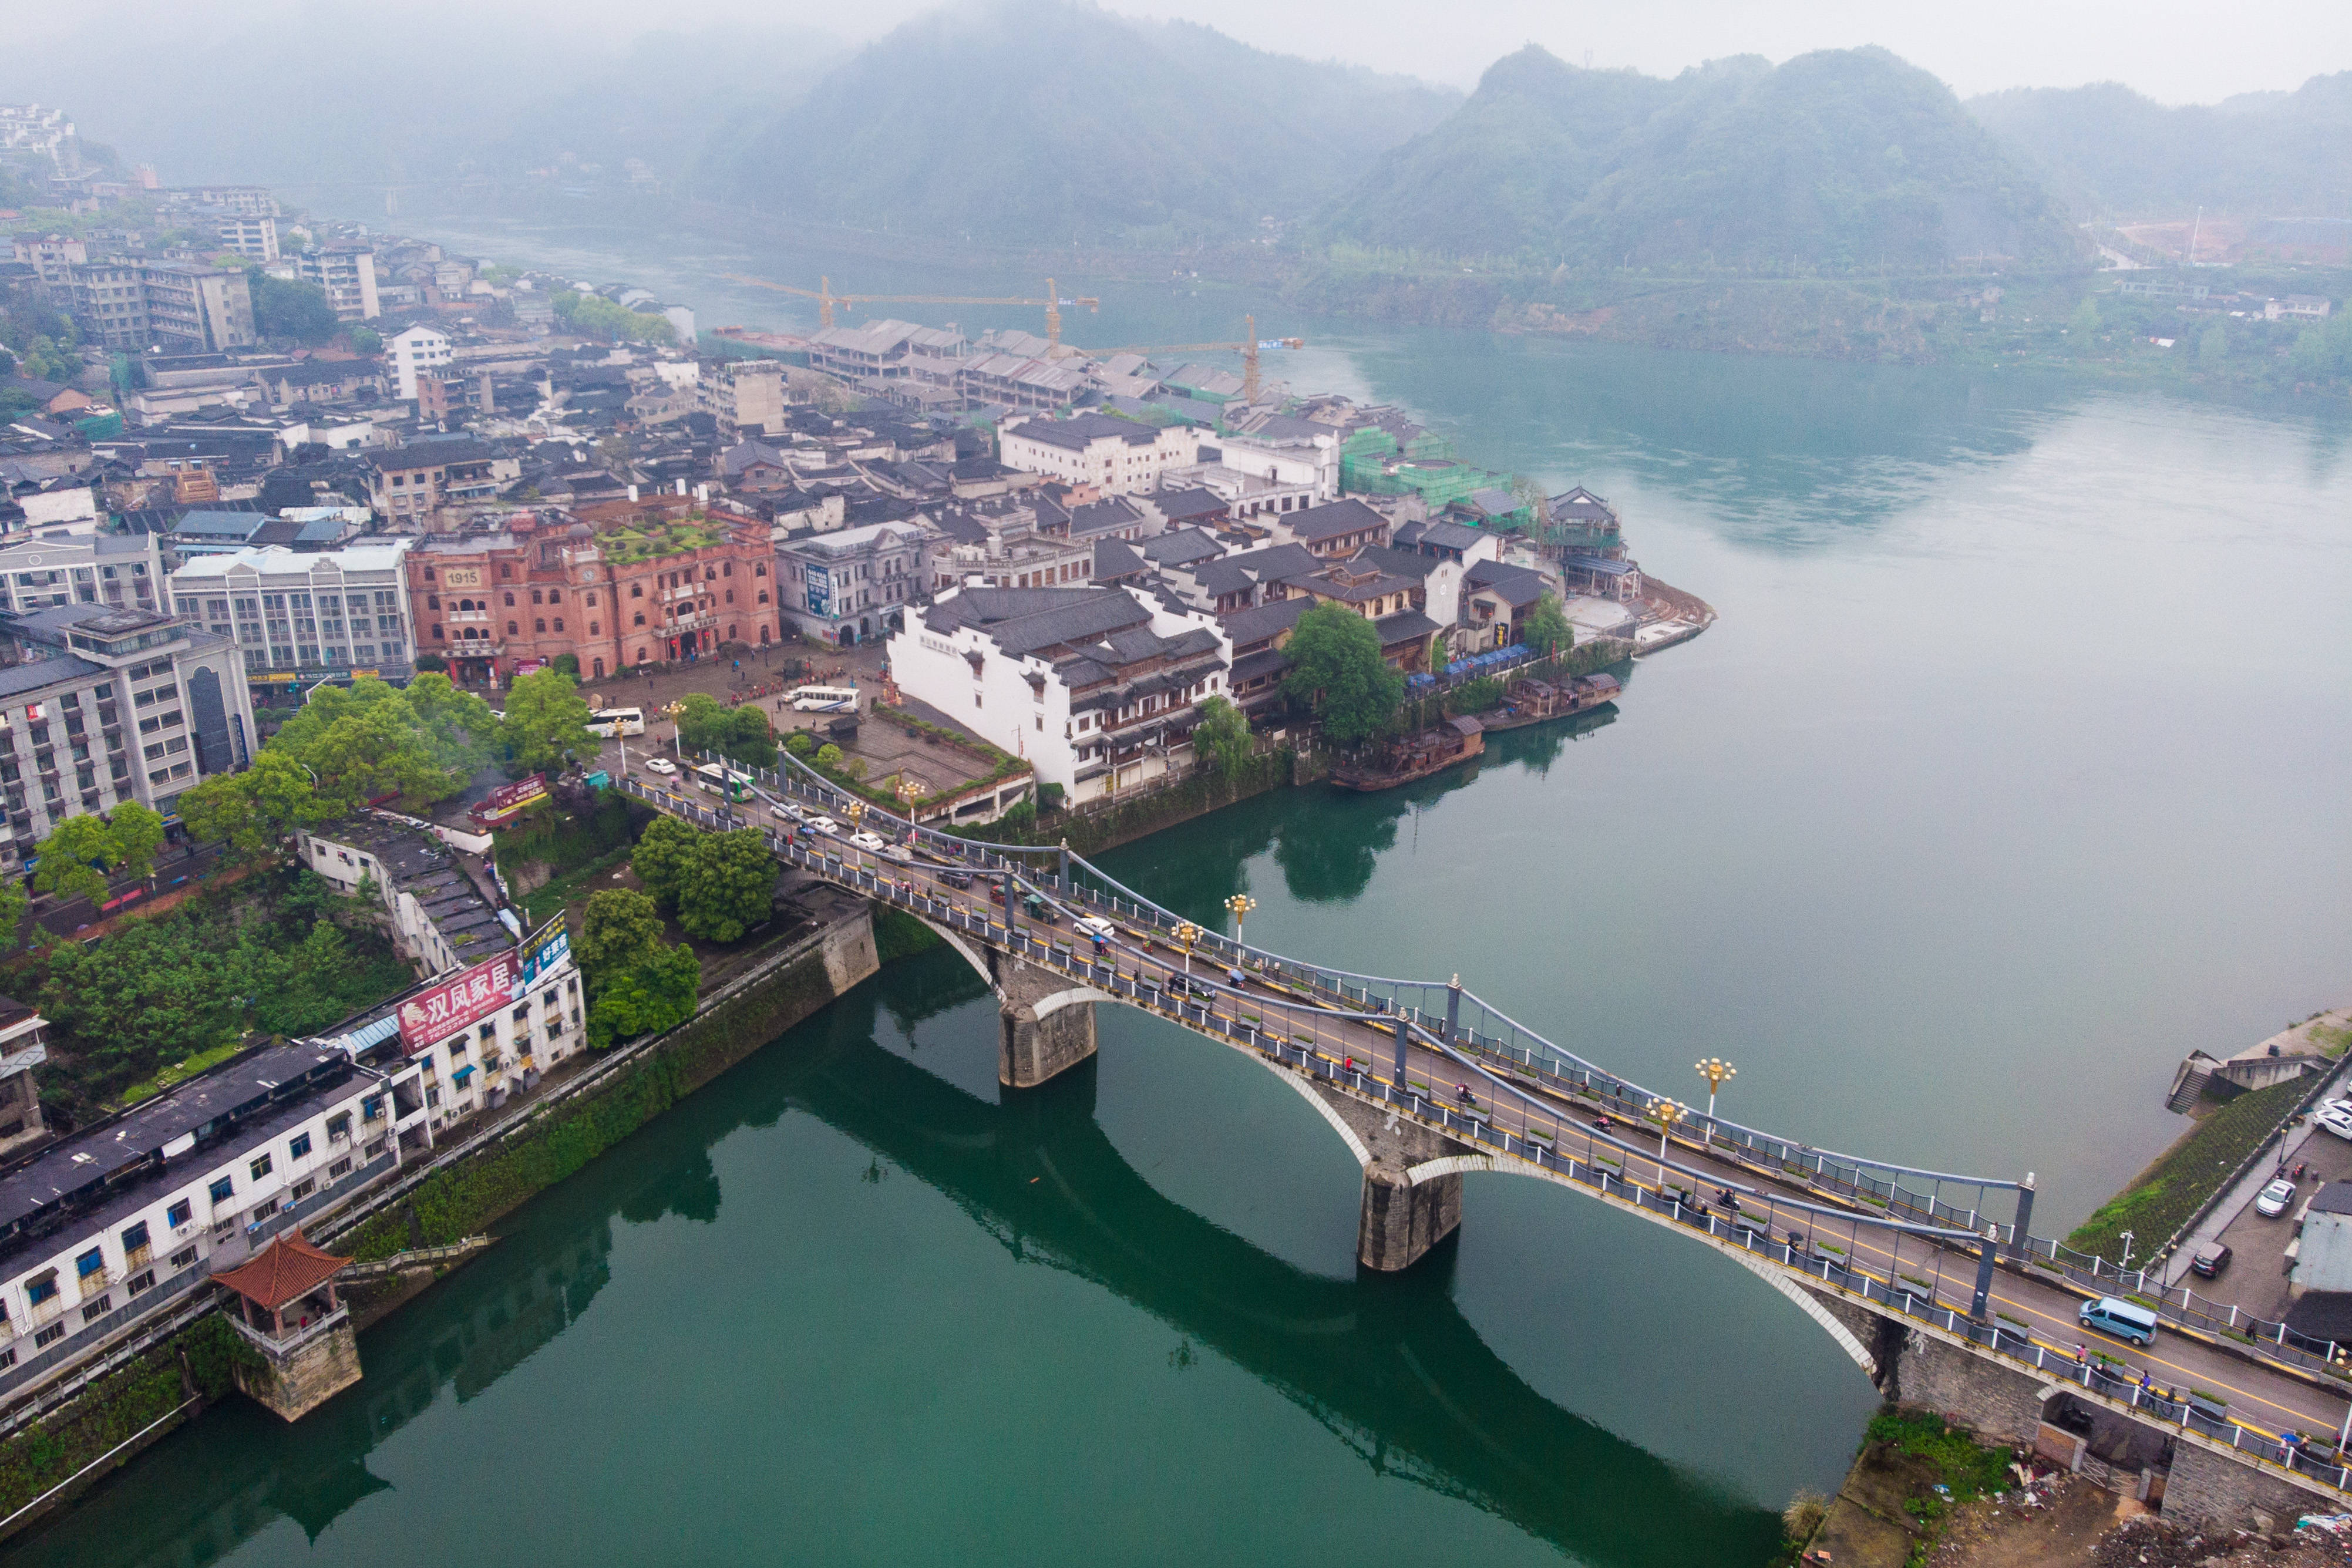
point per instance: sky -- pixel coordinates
(2175, 51)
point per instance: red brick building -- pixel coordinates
(650, 591)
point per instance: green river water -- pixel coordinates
(2017, 766)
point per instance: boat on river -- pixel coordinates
(1540, 701)
(1408, 758)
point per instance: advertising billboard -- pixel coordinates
(507, 799)
(545, 950)
(820, 590)
(459, 1004)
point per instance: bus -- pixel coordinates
(610, 722)
(724, 781)
(826, 699)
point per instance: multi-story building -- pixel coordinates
(199, 309)
(746, 397)
(851, 585)
(108, 300)
(1097, 688)
(120, 705)
(246, 201)
(65, 566)
(498, 603)
(300, 618)
(1116, 457)
(1007, 542)
(414, 352)
(409, 484)
(347, 272)
(24, 1046)
(253, 236)
(49, 256)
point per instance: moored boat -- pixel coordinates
(1538, 701)
(1407, 758)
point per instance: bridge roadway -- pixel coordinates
(1517, 1117)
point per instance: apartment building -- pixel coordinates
(412, 354)
(108, 301)
(253, 236)
(347, 272)
(851, 585)
(1116, 457)
(69, 566)
(300, 616)
(746, 397)
(409, 484)
(197, 308)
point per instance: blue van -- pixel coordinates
(2124, 1320)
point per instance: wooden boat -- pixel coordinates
(1537, 702)
(1411, 757)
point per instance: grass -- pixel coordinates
(1964, 1468)
(2330, 1039)
(2161, 1199)
(173, 1074)
(542, 904)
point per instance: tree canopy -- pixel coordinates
(742, 735)
(82, 854)
(290, 308)
(253, 812)
(1221, 739)
(593, 316)
(720, 885)
(637, 983)
(1338, 673)
(546, 727)
(371, 740)
(1548, 629)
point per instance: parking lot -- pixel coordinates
(2256, 1278)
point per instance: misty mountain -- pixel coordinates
(1838, 159)
(329, 97)
(1041, 123)
(2105, 150)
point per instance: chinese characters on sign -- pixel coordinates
(549, 946)
(459, 1004)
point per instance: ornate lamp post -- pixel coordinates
(1186, 935)
(1665, 1113)
(1714, 1069)
(1240, 904)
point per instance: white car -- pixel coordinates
(898, 852)
(2337, 1120)
(787, 811)
(661, 765)
(824, 824)
(2274, 1199)
(1096, 926)
(2327, 1105)
(869, 842)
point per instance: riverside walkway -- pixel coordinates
(1905, 1268)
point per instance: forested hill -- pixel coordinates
(1043, 123)
(1834, 161)
(2108, 151)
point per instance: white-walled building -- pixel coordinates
(305, 616)
(1257, 480)
(1097, 687)
(412, 353)
(1116, 457)
(347, 272)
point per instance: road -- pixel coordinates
(2265, 1400)
(174, 866)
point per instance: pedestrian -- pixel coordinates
(2082, 1355)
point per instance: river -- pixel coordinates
(2016, 767)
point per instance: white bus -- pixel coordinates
(610, 722)
(826, 699)
(724, 781)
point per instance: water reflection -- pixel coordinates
(1387, 1365)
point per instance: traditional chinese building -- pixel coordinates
(284, 1304)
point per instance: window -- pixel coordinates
(509, 601)
(339, 1127)
(304, 1188)
(221, 1189)
(49, 1335)
(538, 626)
(263, 1211)
(260, 1167)
(515, 630)
(638, 591)
(97, 1309)
(90, 1263)
(144, 1280)
(179, 1213)
(134, 1238)
(298, 1146)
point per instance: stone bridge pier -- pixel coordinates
(1046, 1022)
(1412, 1178)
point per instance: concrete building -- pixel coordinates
(1007, 542)
(347, 272)
(849, 586)
(1258, 480)
(2323, 1254)
(1116, 457)
(746, 397)
(253, 236)
(1097, 687)
(108, 301)
(414, 352)
(113, 705)
(24, 1046)
(408, 485)
(1334, 532)
(197, 308)
(68, 565)
(300, 617)
(500, 604)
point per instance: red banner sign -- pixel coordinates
(507, 799)
(458, 1004)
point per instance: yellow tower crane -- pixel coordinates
(826, 299)
(1248, 349)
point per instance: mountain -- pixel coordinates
(1039, 122)
(2109, 151)
(1838, 160)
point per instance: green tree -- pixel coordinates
(620, 929)
(138, 834)
(364, 340)
(2083, 328)
(253, 812)
(828, 756)
(75, 858)
(462, 725)
(370, 740)
(1222, 737)
(1548, 629)
(658, 993)
(546, 727)
(2213, 348)
(13, 903)
(742, 735)
(728, 886)
(661, 859)
(800, 743)
(1336, 672)
(152, 993)
(290, 310)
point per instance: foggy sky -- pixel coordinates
(2175, 51)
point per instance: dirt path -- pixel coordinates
(1999, 1533)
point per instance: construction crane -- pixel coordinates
(1247, 349)
(826, 299)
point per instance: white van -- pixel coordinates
(2125, 1320)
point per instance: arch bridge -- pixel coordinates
(1938, 1296)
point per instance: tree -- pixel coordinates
(742, 735)
(364, 340)
(152, 992)
(1222, 737)
(288, 308)
(138, 834)
(1336, 672)
(728, 886)
(2213, 348)
(828, 756)
(800, 743)
(2083, 328)
(658, 993)
(370, 740)
(253, 812)
(75, 858)
(1548, 629)
(546, 727)
(13, 903)
(621, 930)
(661, 857)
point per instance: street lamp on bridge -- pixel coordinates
(1186, 935)
(1240, 904)
(1714, 1069)
(1665, 1113)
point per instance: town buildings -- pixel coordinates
(412, 353)
(300, 618)
(745, 397)
(1099, 688)
(347, 272)
(850, 584)
(112, 705)
(72, 565)
(1116, 456)
(24, 1046)
(410, 484)
(182, 307)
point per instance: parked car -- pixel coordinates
(2274, 1200)
(1096, 926)
(869, 842)
(953, 877)
(2338, 1120)
(2210, 1259)
(661, 765)
(824, 824)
